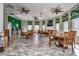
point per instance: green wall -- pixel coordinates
(15, 23)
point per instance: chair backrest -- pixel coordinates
(66, 35)
(69, 37)
(49, 32)
(66, 38)
(73, 33)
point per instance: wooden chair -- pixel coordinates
(51, 38)
(42, 33)
(30, 34)
(69, 39)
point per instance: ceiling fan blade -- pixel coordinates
(52, 10)
(25, 12)
(60, 11)
(58, 7)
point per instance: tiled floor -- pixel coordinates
(38, 46)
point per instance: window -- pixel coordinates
(65, 26)
(76, 25)
(50, 23)
(36, 27)
(43, 27)
(29, 27)
(57, 26)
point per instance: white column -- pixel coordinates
(5, 25)
(26, 25)
(69, 22)
(33, 24)
(54, 24)
(46, 25)
(41, 25)
(1, 17)
(61, 26)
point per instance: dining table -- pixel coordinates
(59, 38)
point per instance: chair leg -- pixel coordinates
(49, 43)
(72, 49)
(63, 50)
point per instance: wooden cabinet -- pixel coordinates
(6, 38)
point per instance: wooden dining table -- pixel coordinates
(58, 38)
(61, 37)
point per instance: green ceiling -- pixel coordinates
(65, 17)
(75, 13)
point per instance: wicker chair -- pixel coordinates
(69, 39)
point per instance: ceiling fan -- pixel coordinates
(24, 10)
(41, 14)
(56, 10)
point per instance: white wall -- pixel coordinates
(1, 17)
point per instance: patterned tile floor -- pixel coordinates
(38, 46)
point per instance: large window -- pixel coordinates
(76, 25)
(29, 27)
(36, 27)
(44, 25)
(65, 26)
(57, 26)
